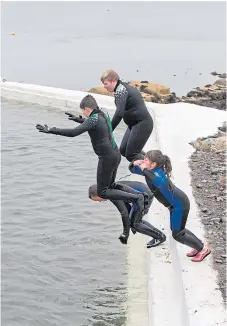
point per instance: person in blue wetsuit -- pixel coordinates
(156, 169)
(130, 107)
(129, 216)
(98, 126)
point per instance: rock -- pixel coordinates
(223, 256)
(204, 210)
(220, 82)
(215, 219)
(214, 171)
(223, 127)
(211, 196)
(210, 144)
(219, 261)
(151, 92)
(214, 73)
(208, 95)
(153, 89)
(222, 180)
(199, 186)
(100, 90)
(223, 75)
(220, 199)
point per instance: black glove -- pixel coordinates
(45, 129)
(72, 117)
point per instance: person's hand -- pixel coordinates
(44, 128)
(143, 166)
(138, 162)
(72, 117)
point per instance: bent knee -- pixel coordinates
(101, 192)
(177, 234)
(122, 151)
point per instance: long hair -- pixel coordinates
(156, 156)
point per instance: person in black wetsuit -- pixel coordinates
(130, 107)
(129, 218)
(156, 168)
(98, 126)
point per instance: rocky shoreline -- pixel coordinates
(211, 95)
(208, 181)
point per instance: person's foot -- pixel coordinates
(192, 253)
(201, 255)
(155, 242)
(123, 238)
(133, 230)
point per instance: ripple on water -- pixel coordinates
(62, 263)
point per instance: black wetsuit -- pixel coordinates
(98, 126)
(136, 223)
(130, 107)
(175, 200)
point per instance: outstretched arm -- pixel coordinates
(87, 125)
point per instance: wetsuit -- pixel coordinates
(136, 222)
(175, 200)
(98, 126)
(130, 107)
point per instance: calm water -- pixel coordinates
(62, 263)
(69, 44)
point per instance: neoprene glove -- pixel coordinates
(72, 117)
(45, 129)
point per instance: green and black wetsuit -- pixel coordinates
(99, 128)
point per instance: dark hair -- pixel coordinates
(161, 160)
(88, 102)
(92, 191)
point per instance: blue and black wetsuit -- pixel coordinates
(130, 107)
(136, 222)
(99, 128)
(175, 200)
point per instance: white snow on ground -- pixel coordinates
(181, 293)
(195, 293)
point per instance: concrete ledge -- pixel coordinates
(49, 96)
(180, 293)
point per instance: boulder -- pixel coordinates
(223, 75)
(209, 95)
(100, 90)
(151, 92)
(221, 81)
(150, 88)
(214, 143)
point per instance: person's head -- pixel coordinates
(88, 104)
(93, 193)
(109, 79)
(155, 159)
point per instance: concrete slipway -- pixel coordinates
(164, 287)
